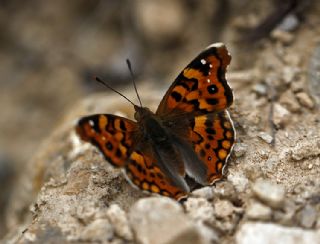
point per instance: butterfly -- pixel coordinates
(190, 136)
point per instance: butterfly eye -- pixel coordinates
(137, 116)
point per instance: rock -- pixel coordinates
(289, 73)
(161, 220)
(225, 190)
(314, 75)
(283, 36)
(238, 179)
(100, 230)
(271, 194)
(308, 216)
(266, 233)
(266, 137)
(260, 89)
(258, 211)
(305, 100)
(240, 149)
(306, 149)
(199, 209)
(223, 208)
(203, 192)
(289, 100)
(281, 115)
(119, 221)
(289, 23)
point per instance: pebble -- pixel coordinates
(223, 208)
(308, 216)
(266, 137)
(204, 192)
(289, 23)
(225, 190)
(100, 230)
(289, 100)
(266, 233)
(240, 149)
(238, 179)
(281, 115)
(160, 220)
(305, 100)
(269, 193)
(260, 89)
(199, 209)
(283, 36)
(289, 73)
(258, 211)
(119, 221)
(314, 74)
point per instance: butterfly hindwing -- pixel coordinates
(112, 134)
(213, 136)
(201, 87)
(142, 171)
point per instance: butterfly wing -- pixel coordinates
(113, 135)
(201, 87)
(117, 138)
(142, 171)
(212, 136)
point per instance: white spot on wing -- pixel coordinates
(91, 122)
(203, 61)
(210, 65)
(208, 80)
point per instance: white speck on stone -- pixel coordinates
(270, 193)
(203, 61)
(266, 233)
(91, 122)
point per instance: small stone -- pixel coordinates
(306, 149)
(282, 36)
(203, 192)
(265, 233)
(289, 101)
(305, 100)
(289, 23)
(266, 137)
(161, 220)
(269, 193)
(258, 211)
(240, 149)
(308, 216)
(100, 230)
(260, 89)
(223, 208)
(225, 190)
(119, 221)
(281, 115)
(289, 73)
(238, 179)
(199, 209)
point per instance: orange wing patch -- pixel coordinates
(111, 134)
(213, 137)
(201, 87)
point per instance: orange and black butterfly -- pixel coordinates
(190, 136)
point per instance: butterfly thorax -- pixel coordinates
(150, 125)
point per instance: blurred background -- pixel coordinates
(49, 50)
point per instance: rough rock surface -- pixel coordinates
(65, 192)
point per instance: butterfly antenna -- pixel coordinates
(134, 84)
(105, 84)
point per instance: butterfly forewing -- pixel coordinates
(201, 87)
(112, 134)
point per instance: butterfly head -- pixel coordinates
(141, 113)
